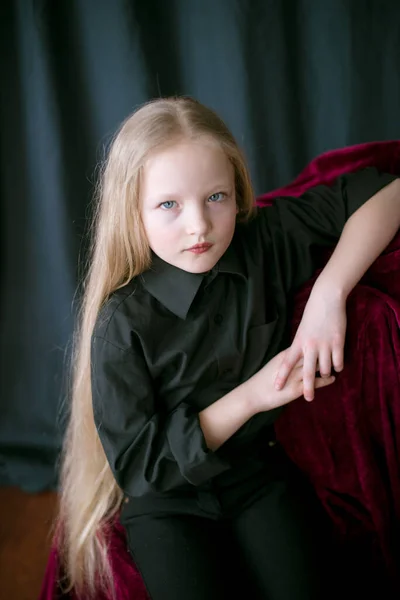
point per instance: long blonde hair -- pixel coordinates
(89, 495)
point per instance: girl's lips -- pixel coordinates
(200, 248)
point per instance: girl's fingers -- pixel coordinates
(323, 382)
(337, 357)
(289, 362)
(310, 364)
(325, 361)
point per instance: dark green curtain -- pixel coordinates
(292, 78)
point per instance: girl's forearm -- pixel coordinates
(223, 418)
(366, 234)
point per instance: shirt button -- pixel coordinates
(218, 319)
(272, 443)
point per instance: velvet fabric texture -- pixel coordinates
(346, 442)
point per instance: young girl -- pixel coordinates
(179, 366)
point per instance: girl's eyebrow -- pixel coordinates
(164, 196)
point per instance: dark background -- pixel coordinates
(291, 78)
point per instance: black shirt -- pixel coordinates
(171, 343)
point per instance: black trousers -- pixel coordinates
(271, 543)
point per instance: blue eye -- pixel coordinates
(168, 204)
(216, 197)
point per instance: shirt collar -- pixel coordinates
(176, 289)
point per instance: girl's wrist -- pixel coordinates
(250, 397)
(255, 396)
(329, 289)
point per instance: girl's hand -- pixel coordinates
(319, 341)
(263, 393)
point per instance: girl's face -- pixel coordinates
(188, 199)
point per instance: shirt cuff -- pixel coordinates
(196, 462)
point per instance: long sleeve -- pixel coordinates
(299, 227)
(147, 448)
(292, 235)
